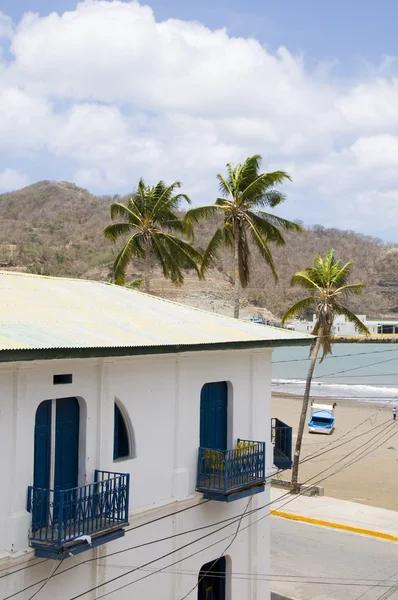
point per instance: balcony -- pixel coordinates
(227, 475)
(71, 521)
(281, 437)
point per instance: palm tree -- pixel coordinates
(149, 220)
(135, 284)
(245, 193)
(327, 284)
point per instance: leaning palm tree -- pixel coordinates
(246, 192)
(150, 221)
(327, 284)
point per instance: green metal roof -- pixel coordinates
(49, 317)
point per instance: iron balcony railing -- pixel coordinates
(281, 437)
(222, 472)
(60, 517)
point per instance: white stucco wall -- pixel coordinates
(161, 395)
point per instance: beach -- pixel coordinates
(372, 478)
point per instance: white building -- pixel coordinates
(343, 328)
(105, 396)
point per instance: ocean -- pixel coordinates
(364, 372)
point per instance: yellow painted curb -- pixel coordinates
(293, 517)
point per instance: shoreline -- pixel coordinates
(359, 459)
(332, 399)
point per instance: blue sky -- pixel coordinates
(323, 30)
(105, 94)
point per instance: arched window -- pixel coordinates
(123, 440)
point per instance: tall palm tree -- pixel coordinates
(327, 284)
(246, 192)
(149, 220)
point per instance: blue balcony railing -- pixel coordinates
(81, 517)
(226, 475)
(281, 438)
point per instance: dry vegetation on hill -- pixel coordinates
(55, 228)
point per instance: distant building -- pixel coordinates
(343, 328)
(133, 426)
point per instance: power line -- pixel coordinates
(234, 519)
(324, 451)
(379, 362)
(219, 541)
(222, 554)
(331, 356)
(23, 563)
(55, 569)
(267, 576)
(356, 427)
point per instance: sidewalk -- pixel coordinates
(338, 514)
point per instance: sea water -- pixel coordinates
(359, 371)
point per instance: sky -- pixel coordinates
(105, 91)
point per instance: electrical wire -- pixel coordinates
(356, 427)
(266, 576)
(324, 451)
(216, 543)
(287, 494)
(200, 579)
(331, 356)
(55, 569)
(23, 563)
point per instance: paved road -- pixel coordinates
(326, 563)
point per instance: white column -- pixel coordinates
(21, 458)
(181, 473)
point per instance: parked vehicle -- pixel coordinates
(322, 418)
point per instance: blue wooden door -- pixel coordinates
(66, 461)
(214, 416)
(41, 470)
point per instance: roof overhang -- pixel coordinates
(33, 354)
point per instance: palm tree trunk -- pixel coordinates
(147, 271)
(236, 276)
(294, 487)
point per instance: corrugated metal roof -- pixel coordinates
(40, 312)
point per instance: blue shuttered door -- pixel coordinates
(213, 415)
(41, 471)
(66, 444)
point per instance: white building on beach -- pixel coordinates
(343, 328)
(135, 445)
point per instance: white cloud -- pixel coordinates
(11, 179)
(117, 94)
(6, 26)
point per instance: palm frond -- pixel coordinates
(298, 308)
(342, 274)
(268, 231)
(261, 245)
(351, 288)
(182, 252)
(279, 221)
(212, 249)
(304, 280)
(121, 210)
(225, 186)
(194, 215)
(171, 270)
(116, 230)
(131, 249)
(260, 185)
(359, 326)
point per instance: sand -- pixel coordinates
(373, 478)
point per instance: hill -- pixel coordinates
(55, 228)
